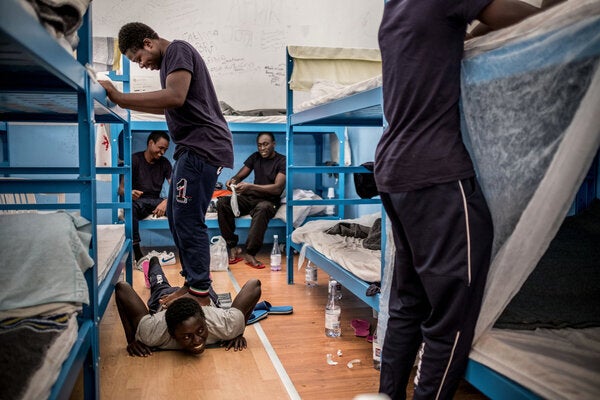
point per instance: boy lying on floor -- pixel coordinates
(185, 324)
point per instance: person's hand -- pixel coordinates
(111, 90)
(161, 209)
(136, 194)
(230, 182)
(139, 349)
(242, 186)
(238, 344)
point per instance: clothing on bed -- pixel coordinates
(61, 18)
(371, 235)
(228, 110)
(347, 251)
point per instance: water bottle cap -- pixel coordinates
(275, 236)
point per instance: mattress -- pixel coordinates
(325, 92)
(267, 119)
(110, 241)
(554, 363)
(344, 250)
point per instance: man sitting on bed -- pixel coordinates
(149, 170)
(185, 324)
(259, 199)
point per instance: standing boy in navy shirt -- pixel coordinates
(203, 141)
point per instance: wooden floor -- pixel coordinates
(286, 355)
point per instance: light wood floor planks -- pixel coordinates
(297, 342)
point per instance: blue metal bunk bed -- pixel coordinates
(41, 82)
(138, 125)
(359, 110)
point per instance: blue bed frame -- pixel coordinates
(253, 128)
(38, 73)
(360, 110)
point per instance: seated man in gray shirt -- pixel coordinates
(185, 324)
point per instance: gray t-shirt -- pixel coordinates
(222, 324)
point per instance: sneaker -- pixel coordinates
(145, 268)
(138, 263)
(167, 258)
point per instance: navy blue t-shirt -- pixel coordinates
(266, 170)
(421, 45)
(149, 178)
(199, 124)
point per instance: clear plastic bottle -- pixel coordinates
(330, 209)
(376, 351)
(275, 255)
(311, 274)
(338, 289)
(333, 313)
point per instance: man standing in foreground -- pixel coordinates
(203, 141)
(441, 224)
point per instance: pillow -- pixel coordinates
(301, 212)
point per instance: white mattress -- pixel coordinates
(333, 92)
(346, 251)
(554, 363)
(345, 66)
(110, 241)
(269, 119)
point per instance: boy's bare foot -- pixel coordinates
(167, 300)
(250, 259)
(234, 254)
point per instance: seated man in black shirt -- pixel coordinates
(149, 169)
(259, 199)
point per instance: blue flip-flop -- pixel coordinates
(266, 306)
(256, 316)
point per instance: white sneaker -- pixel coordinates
(167, 258)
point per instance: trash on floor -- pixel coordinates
(330, 359)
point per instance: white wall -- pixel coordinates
(243, 41)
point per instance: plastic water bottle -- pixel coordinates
(311, 274)
(330, 209)
(338, 289)
(376, 351)
(333, 313)
(275, 255)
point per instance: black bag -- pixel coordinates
(364, 182)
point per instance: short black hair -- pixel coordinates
(155, 135)
(270, 134)
(132, 35)
(180, 310)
